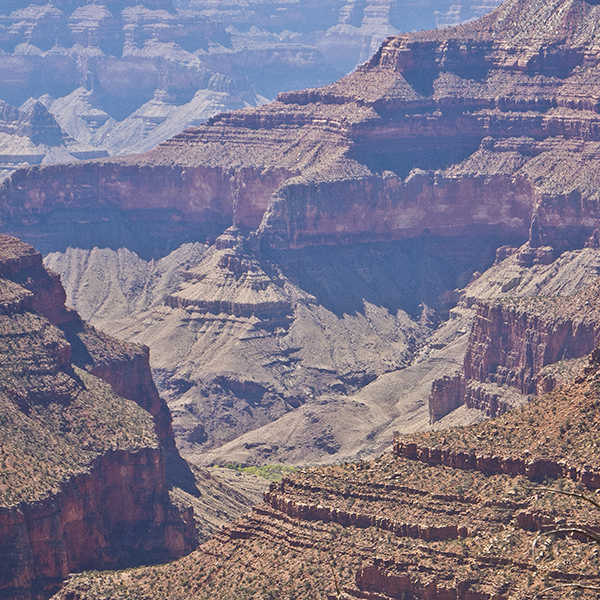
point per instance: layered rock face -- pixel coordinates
(83, 471)
(473, 135)
(123, 76)
(31, 135)
(449, 514)
(125, 367)
(317, 356)
(473, 129)
(324, 353)
(526, 334)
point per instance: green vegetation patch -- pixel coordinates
(270, 472)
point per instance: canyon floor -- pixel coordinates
(342, 356)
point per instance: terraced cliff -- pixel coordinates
(448, 514)
(83, 469)
(476, 129)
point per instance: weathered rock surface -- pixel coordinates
(449, 514)
(31, 135)
(350, 360)
(475, 132)
(527, 317)
(472, 130)
(83, 470)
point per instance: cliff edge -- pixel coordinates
(449, 514)
(83, 469)
(472, 130)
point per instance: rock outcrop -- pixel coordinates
(512, 341)
(469, 135)
(353, 356)
(232, 283)
(434, 519)
(31, 135)
(83, 470)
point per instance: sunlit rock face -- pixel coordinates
(471, 130)
(86, 441)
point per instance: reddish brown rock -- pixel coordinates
(511, 342)
(116, 514)
(468, 130)
(449, 515)
(83, 482)
(446, 395)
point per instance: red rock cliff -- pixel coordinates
(471, 129)
(511, 341)
(83, 471)
(116, 514)
(449, 514)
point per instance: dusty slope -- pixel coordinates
(460, 140)
(90, 474)
(277, 339)
(405, 524)
(354, 381)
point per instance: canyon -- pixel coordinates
(91, 477)
(121, 76)
(446, 514)
(79, 488)
(398, 269)
(317, 273)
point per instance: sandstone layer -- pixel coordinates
(310, 358)
(448, 142)
(449, 514)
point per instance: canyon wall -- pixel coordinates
(511, 341)
(456, 132)
(116, 514)
(125, 367)
(121, 77)
(473, 136)
(83, 479)
(447, 514)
